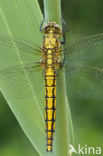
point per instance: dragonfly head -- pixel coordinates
(51, 28)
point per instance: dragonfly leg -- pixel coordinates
(63, 41)
(66, 26)
(62, 64)
(42, 24)
(64, 30)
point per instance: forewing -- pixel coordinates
(24, 45)
(77, 47)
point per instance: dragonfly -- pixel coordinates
(82, 61)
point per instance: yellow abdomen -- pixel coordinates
(50, 106)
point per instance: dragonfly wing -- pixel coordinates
(21, 77)
(24, 45)
(84, 67)
(84, 82)
(18, 69)
(77, 47)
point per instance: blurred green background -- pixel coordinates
(84, 18)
